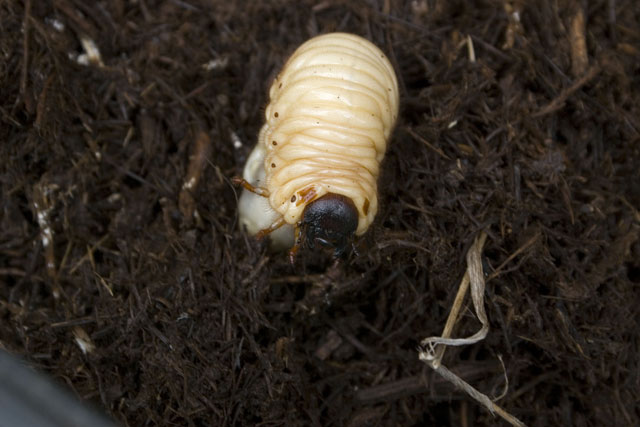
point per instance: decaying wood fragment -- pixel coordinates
(197, 162)
(578, 41)
(43, 204)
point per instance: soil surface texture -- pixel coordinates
(124, 276)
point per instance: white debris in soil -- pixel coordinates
(83, 340)
(216, 64)
(46, 235)
(91, 55)
(237, 143)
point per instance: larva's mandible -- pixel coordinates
(332, 109)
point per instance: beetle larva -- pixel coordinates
(332, 109)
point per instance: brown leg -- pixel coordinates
(273, 227)
(257, 190)
(296, 244)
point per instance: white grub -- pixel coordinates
(237, 143)
(351, 88)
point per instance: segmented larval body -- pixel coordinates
(332, 109)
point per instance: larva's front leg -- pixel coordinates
(260, 191)
(270, 229)
(297, 244)
(257, 216)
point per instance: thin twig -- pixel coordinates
(559, 101)
(453, 315)
(25, 49)
(474, 278)
(89, 254)
(518, 251)
(427, 143)
(478, 396)
(432, 356)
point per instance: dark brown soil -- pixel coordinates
(537, 142)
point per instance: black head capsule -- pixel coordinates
(329, 221)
